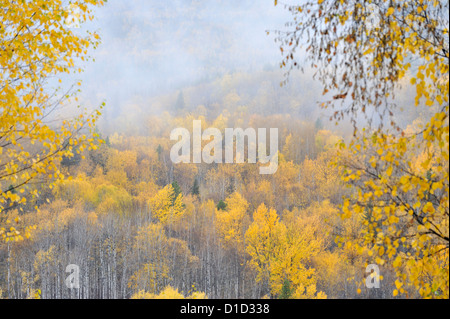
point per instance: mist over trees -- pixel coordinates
(86, 177)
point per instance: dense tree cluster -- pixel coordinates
(137, 224)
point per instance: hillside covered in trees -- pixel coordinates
(362, 175)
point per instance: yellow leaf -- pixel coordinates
(390, 12)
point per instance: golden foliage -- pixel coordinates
(36, 44)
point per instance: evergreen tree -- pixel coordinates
(318, 125)
(286, 291)
(221, 205)
(195, 188)
(159, 150)
(179, 104)
(176, 189)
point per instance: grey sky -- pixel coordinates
(154, 47)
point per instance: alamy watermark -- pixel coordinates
(213, 151)
(73, 280)
(373, 279)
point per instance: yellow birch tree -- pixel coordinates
(37, 45)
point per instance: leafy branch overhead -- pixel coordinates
(363, 52)
(36, 48)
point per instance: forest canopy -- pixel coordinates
(363, 140)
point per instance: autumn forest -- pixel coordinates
(358, 206)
